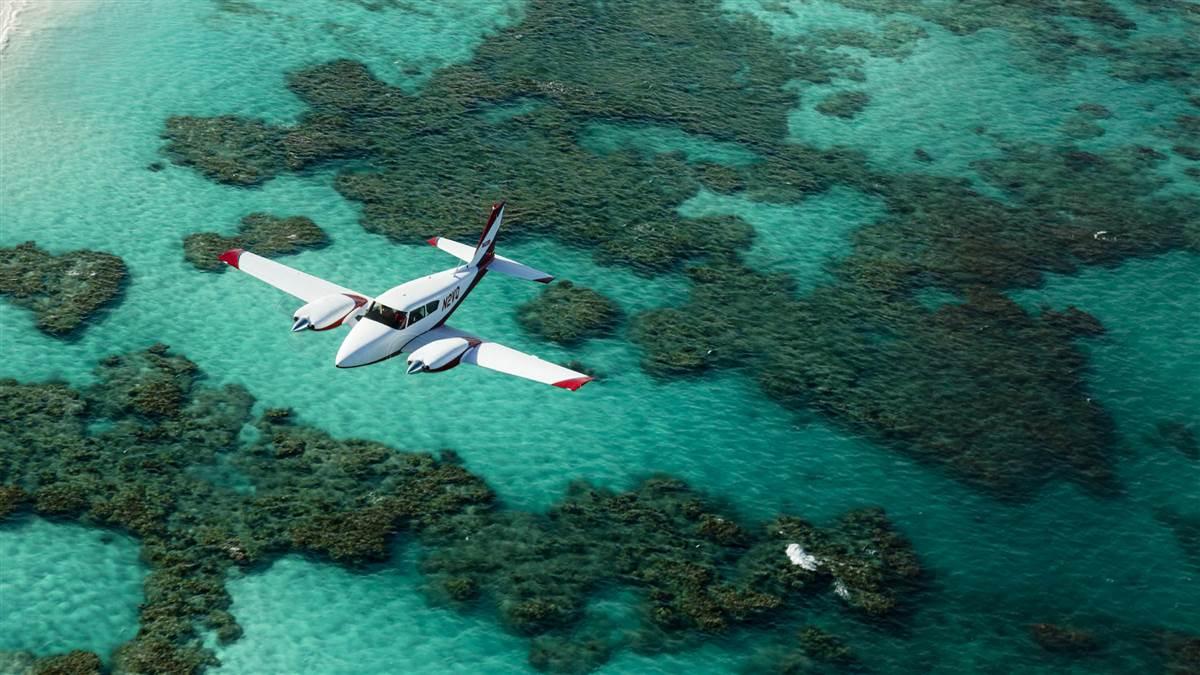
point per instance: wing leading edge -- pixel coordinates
(497, 357)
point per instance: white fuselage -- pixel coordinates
(426, 303)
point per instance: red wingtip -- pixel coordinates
(573, 383)
(231, 256)
(432, 241)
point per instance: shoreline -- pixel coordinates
(10, 13)
(15, 15)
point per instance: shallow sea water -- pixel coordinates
(84, 95)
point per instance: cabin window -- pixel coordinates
(416, 315)
(392, 318)
(431, 307)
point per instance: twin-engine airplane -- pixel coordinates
(411, 318)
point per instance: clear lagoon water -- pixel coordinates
(85, 87)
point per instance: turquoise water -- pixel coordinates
(65, 586)
(84, 94)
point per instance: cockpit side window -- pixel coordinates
(392, 318)
(415, 315)
(431, 306)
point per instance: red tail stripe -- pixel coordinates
(496, 208)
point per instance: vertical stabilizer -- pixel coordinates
(485, 250)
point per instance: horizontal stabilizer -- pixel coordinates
(457, 249)
(515, 269)
(498, 263)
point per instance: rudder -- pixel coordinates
(485, 250)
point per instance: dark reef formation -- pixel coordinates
(72, 663)
(1178, 436)
(1182, 654)
(696, 571)
(811, 650)
(845, 104)
(153, 450)
(261, 233)
(64, 290)
(885, 365)
(566, 313)
(984, 388)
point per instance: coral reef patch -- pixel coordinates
(845, 104)
(64, 291)
(72, 663)
(566, 313)
(138, 450)
(261, 233)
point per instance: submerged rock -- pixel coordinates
(1094, 111)
(1065, 639)
(1180, 436)
(64, 291)
(261, 233)
(567, 314)
(1082, 127)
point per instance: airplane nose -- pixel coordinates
(415, 367)
(348, 357)
(367, 343)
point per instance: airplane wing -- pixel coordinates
(495, 356)
(287, 279)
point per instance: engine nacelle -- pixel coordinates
(327, 312)
(439, 355)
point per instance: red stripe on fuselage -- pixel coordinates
(474, 282)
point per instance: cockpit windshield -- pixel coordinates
(392, 318)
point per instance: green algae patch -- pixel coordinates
(260, 233)
(112, 455)
(64, 291)
(567, 314)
